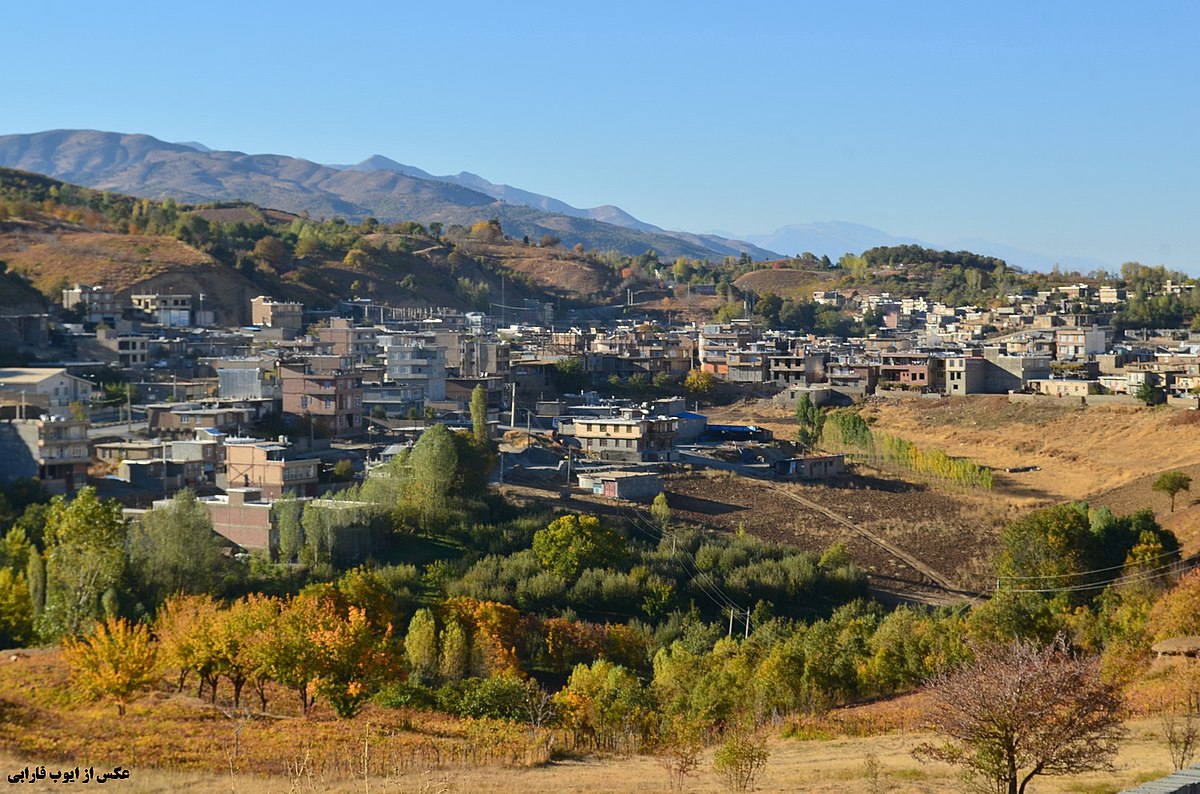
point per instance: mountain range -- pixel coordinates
(141, 165)
(390, 191)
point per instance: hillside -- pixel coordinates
(144, 166)
(55, 234)
(1080, 453)
(786, 282)
(54, 255)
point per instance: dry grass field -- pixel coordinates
(174, 742)
(785, 282)
(1081, 452)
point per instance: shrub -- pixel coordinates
(739, 760)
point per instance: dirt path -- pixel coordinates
(951, 595)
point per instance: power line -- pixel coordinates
(721, 599)
(1085, 573)
(1141, 576)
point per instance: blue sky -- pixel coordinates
(1067, 128)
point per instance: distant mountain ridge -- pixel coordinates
(383, 188)
(142, 165)
(605, 214)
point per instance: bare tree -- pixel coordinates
(1181, 728)
(1020, 710)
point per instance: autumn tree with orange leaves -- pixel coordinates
(115, 662)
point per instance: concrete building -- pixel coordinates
(716, 341)
(1074, 342)
(46, 390)
(331, 399)
(269, 467)
(132, 350)
(55, 451)
(174, 418)
(630, 438)
(811, 467)
(636, 486)
(912, 370)
(96, 304)
(243, 517)
(271, 313)
(173, 311)
(415, 361)
(343, 338)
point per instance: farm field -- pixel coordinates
(952, 533)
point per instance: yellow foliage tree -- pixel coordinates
(116, 662)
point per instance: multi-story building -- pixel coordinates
(271, 313)
(412, 360)
(132, 350)
(268, 466)
(96, 304)
(174, 418)
(331, 399)
(173, 311)
(1076, 342)
(54, 451)
(797, 366)
(244, 517)
(912, 370)
(717, 340)
(46, 390)
(629, 438)
(343, 338)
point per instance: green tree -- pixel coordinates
(572, 543)
(660, 511)
(35, 576)
(810, 422)
(16, 610)
(421, 647)
(85, 557)
(435, 472)
(479, 416)
(456, 652)
(1171, 483)
(740, 759)
(175, 550)
(291, 530)
(1149, 393)
(604, 701)
(343, 470)
(569, 375)
(698, 383)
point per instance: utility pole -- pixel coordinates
(512, 419)
(730, 622)
(747, 622)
